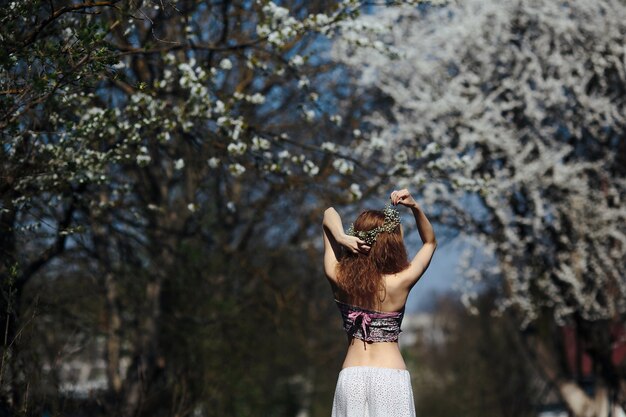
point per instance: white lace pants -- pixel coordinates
(366, 391)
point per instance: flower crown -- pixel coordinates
(392, 220)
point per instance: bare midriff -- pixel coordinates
(376, 354)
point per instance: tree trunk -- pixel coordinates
(576, 399)
(148, 362)
(145, 364)
(113, 342)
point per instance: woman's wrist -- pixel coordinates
(415, 206)
(341, 238)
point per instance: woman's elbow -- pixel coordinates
(326, 214)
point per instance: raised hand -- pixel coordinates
(402, 197)
(354, 244)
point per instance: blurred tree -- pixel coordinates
(525, 98)
(473, 364)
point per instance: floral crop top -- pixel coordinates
(371, 325)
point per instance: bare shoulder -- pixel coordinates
(409, 276)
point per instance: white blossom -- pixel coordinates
(263, 30)
(336, 118)
(329, 147)
(259, 143)
(170, 58)
(225, 64)
(309, 114)
(376, 143)
(143, 159)
(219, 106)
(430, 149)
(310, 168)
(355, 191)
(256, 98)
(236, 169)
(213, 162)
(303, 82)
(298, 159)
(344, 166)
(275, 12)
(236, 148)
(275, 38)
(297, 60)
(401, 156)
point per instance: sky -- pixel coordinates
(438, 278)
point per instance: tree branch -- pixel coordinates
(55, 15)
(185, 47)
(56, 248)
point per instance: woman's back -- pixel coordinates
(380, 354)
(394, 295)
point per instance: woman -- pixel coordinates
(371, 278)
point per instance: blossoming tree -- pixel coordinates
(128, 127)
(511, 117)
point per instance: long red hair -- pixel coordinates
(360, 276)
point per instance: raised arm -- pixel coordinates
(422, 258)
(334, 239)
